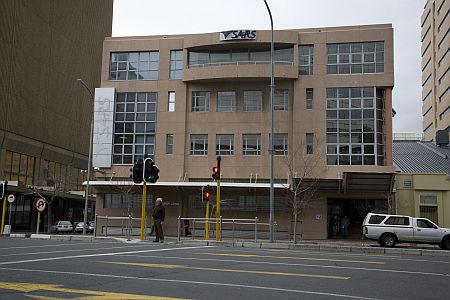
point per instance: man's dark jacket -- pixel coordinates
(159, 212)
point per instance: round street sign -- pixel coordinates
(41, 204)
(11, 198)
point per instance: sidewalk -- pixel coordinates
(357, 246)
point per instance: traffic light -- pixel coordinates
(216, 173)
(137, 171)
(3, 185)
(206, 193)
(151, 171)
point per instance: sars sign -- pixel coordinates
(241, 34)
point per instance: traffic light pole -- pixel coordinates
(143, 216)
(218, 202)
(206, 221)
(3, 215)
(218, 211)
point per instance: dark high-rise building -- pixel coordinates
(45, 114)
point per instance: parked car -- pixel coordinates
(79, 227)
(389, 230)
(91, 226)
(61, 227)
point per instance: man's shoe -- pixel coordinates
(162, 241)
(155, 241)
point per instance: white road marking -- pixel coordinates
(293, 264)
(56, 245)
(97, 254)
(190, 283)
(341, 254)
(71, 250)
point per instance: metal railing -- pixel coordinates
(237, 63)
(230, 228)
(125, 228)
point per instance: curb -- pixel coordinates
(362, 249)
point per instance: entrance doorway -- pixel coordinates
(355, 210)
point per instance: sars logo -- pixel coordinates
(242, 34)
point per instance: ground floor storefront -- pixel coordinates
(22, 215)
(331, 202)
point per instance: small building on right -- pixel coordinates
(422, 183)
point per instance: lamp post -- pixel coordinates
(272, 83)
(88, 173)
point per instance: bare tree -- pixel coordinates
(304, 164)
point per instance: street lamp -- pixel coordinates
(272, 83)
(88, 174)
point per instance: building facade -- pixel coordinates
(435, 68)
(185, 99)
(422, 184)
(45, 114)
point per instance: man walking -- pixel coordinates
(159, 212)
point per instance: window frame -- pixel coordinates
(199, 139)
(197, 97)
(246, 149)
(219, 143)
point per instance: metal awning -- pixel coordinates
(106, 183)
(363, 182)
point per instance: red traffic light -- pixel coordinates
(206, 195)
(216, 173)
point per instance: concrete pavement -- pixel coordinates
(339, 245)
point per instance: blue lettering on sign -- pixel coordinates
(238, 35)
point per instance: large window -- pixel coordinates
(351, 127)
(199, 144)
(281, 100)
(134, 66)
(251, 144)
(200, 101)
(19, 167)
(280, 144)
(355, 58)
(226, 101)
(224, 144)
(176, 64)
(284, 55)
(252, 101)
(134, 126)
(305, 60)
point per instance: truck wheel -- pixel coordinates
(388, 240)
(445, 243)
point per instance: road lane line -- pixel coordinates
(295, 258)
(166, 266)
(56, 245)
(291, 264)
(98, 254)
(72, 250)
(190, 283)
(346, 254)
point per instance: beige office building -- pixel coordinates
(45, 114)
(186, 99)
(435, 68)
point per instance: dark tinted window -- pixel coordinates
(375, 219)
(397, 221)
(422, 223)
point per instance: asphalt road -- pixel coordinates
(47, 269)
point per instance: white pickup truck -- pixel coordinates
(389, 230)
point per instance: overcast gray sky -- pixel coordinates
(151, 17)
